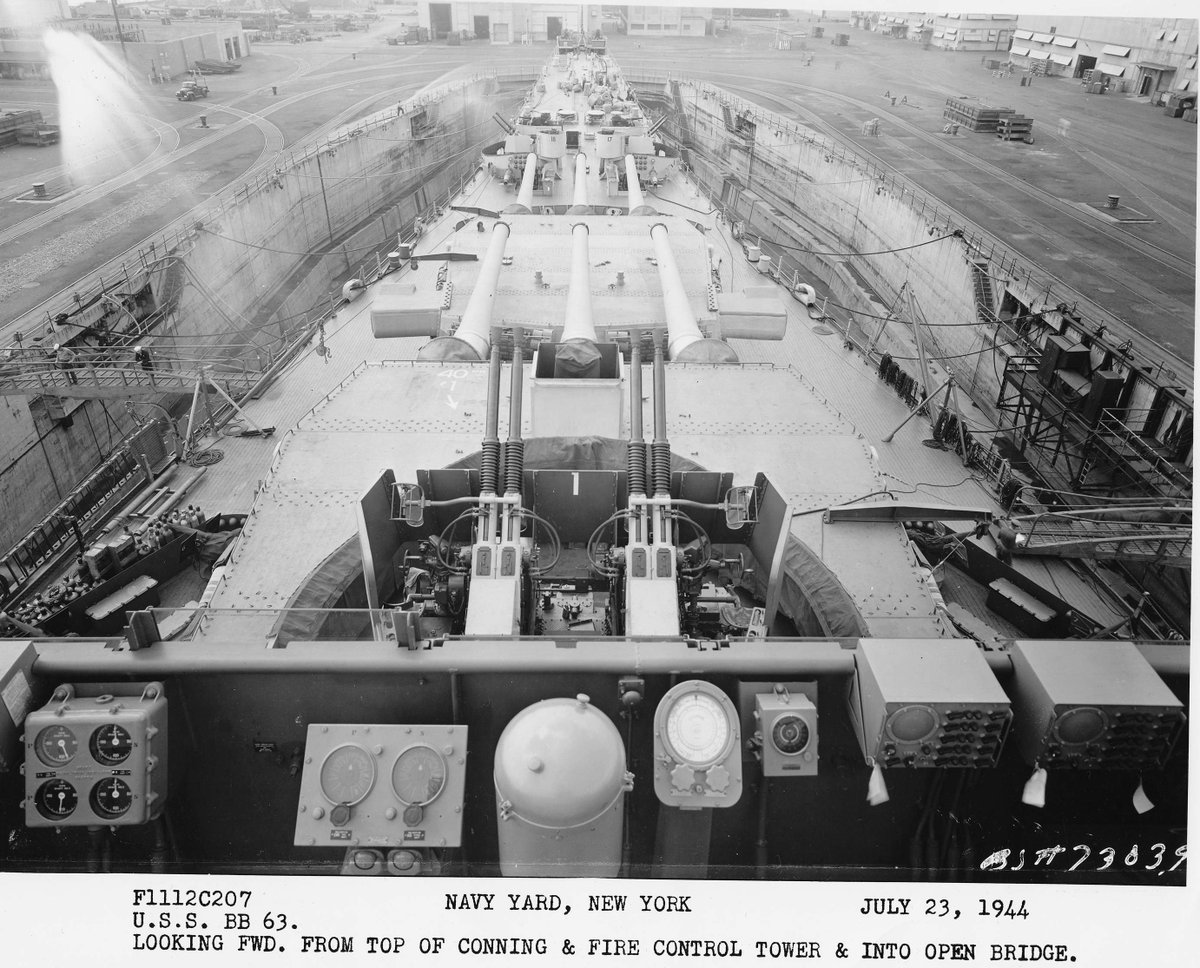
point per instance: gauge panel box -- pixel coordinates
(97, 760)
(373, 785)
(788, 723)
(790, 706)
(927, 703)
(1092, 705)
(17, 685)
(697, 748)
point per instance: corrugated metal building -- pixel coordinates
(153, 50)
(1150, 57)
(668, 21)
(505, 23)
(952, 31)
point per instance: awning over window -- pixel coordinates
(1113, 70)
(939, 33)
(1063, 59)
(951, 31)
(1183, 85)
(1151, 66)
(1043, 38)
(1023, 34)
(1020, 51)
(1116, 51)
(1038, 55)
(1173, 36)
(1064, 41)
(1191, 62)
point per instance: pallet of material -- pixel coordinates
(11, 123)
(37, 134)
(1190, 115)
(974, 117)
(1017, 127)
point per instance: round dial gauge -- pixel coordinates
(111, 744)
(418, 775)
(56, 799)
(111, 797)
(1083, 724)
(790, 735)
(56, 745)
(347, 774)
(698, 729)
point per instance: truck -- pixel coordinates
(191, 90)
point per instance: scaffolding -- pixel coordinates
(1101, 451)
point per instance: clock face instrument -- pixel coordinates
(56, 745)
(111, 744)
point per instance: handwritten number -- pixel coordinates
(1087, 852)
(1109, 856)
(1160, 850)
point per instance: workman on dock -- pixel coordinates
(141, 356)
(64, 357)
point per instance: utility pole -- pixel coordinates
(120, 33)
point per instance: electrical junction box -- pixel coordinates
(927, 703)
(1092, 705)
(382, 786)
(401, 310)
(97, 760)
(494, 595)
(697, 748)
(17, 692)
(788, 723)
(651, 591)
(749, 315)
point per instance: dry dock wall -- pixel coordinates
(350, 199)
(259, 263)
(866, 240)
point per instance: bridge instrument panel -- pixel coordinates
(1092, 705)
(927, 703)
(382, 786)
(97, 760)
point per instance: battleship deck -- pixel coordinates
(463, 663)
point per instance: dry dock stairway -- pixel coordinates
(1152, 533)
(92, 377)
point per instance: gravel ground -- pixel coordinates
(32, 267)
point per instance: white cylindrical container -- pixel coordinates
(560, 791)
(551, 144)
(610, 144)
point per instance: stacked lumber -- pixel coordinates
(974, 117)
(1015, 127)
